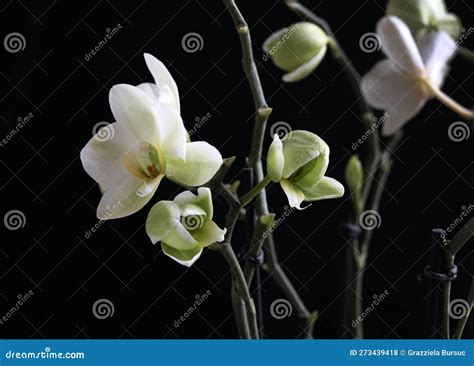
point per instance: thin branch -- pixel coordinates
(255, 155)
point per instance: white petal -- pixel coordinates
(293, 193)
(275, 159)
(209, 233)
(306, 69)
(388, 89)
(135, 108)
(121, 199)
(399, 45)
(436, 49)
(102, 157)
(161, 219)
(273, 38)
(201, 164)
(151, 89)
(172, 139)
(163, 80)
(185, 257)
(203, 199)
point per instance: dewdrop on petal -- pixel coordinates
(298, 49)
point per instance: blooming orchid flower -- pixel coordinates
(184, 226)
(299, 163)
(147, 143)
(410, 76)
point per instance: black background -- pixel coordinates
(41, 174)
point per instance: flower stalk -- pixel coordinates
(255, 161)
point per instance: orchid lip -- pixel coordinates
(150, 163)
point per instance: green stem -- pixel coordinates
(255, 191)
(255, 158)
(463, 321)
(361, 251)
(262, 226)
(461, 237)
(240, 285)
(465, 53)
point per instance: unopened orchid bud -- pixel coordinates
(299, 163)
(297, 49)
(354, 179)
(425, 16)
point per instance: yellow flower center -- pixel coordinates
(148, 165)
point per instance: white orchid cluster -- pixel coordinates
(150, 142)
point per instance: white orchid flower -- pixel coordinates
(410, 76)
(147, 143)
(184, 226)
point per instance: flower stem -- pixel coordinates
(461, 237)
(463, 321)
(239, 285)
(262, 225)
(255, 191)
(449, 102)
(465, 53)
(255, 158)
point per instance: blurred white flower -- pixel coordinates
(411, 75)
(148, 142)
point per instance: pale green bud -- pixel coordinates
(354, 176)
(297, 49)
(425, 16)
(299, 163)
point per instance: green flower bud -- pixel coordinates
(184, 226)
(354, 179)
(297, 49)
(425, 16)
(299, 163)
